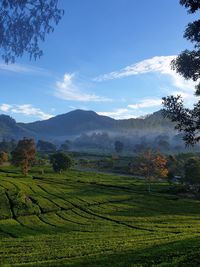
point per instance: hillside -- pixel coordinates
(71, 123)
(87, 219)
(78, 122)
(10, 129)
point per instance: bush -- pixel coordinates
(60, 162)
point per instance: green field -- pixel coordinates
(88, 219)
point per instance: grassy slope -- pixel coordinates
(80, 219)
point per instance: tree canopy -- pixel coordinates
(192, 173)
(3, 157)
(23, 24)
(192, 5)
(60, 162)
(45, 146)
(152, 166)
(24, 154)
(187, 64)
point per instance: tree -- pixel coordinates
(172, 168)
(24, 155)
(187, 64)
(45, 146)
(65, 146)
(152, 166)
(60, 162)
(163, 145)
(192, 173)
(192, 5)
(119, 146)
(3, 157)
(23, 24)
(7, 146)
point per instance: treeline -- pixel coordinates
(23, 154)
(132, 143)
(149, 164)
(182, 169)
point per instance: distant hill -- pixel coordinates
(10, 129)
(71, 123)
(78, 122)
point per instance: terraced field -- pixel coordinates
(87, 219)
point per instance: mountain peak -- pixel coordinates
(7, 119)
(80, 121)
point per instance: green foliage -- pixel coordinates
(60, 162)
(46, 146)
(92, 219)
(7, 146)
(172, 166)
(24, 24)
(192, 171)
(187, 64)
(192, 5)
(22, 204)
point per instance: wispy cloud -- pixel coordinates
(157, 64)
(23, 69)
(120, 113)
(146, 103)
(162, 66)
(68, 90)
(25, 109)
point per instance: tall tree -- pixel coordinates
(187, 64)
(24, 154)
(3, 157)
(192, 173)
(23, 24)
(152, 166)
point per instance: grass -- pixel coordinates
(87, 219)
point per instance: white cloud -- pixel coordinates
(155, 64)
(67, 90)
(26, 109)
(29, 110)
(146, 103)
(121, 113)
(5, 107)
(162, 66)
(159, 64)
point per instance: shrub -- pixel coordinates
(60, 162)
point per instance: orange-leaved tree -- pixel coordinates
(3, 157)
(24, 154)
(152, 166)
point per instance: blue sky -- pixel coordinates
(110, 56)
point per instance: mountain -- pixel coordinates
(10, 129)
(78, 122)
(69, 124)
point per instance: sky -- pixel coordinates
(109, 56)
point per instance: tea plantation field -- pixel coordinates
(87, 219)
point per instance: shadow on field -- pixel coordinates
(174, 254)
